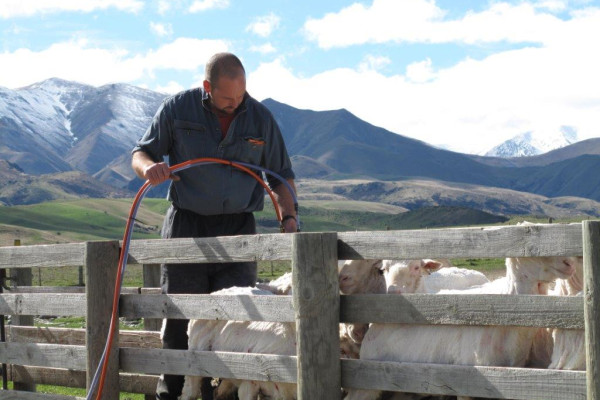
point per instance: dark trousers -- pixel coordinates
(199, 278)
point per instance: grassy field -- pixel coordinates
(78, 220)
(66, 391)
(104, 219)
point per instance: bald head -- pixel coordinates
(223, 65)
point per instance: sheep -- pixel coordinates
(569, 345)
(471, 345)
(571, 286)
(427, 276)
(560, 348)
(206, 335)
(355, 276)
(350, 341)
(272, 337)
(401, 276)
(281, 285)
(256, 337)
(361, 276)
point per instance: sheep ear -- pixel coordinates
(431, 265)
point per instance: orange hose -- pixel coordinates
(114, 315)
(238, 166)
(127, 235)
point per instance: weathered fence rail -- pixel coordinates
(313, 258)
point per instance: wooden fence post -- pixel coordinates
(22, 277)
(591, 288)
(101, 266)
(317, 307)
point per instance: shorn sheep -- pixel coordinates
(569, 345)
(244, 337)
(280, 286)
(467, 345)
(271, 337)
(427, 276)
(401, 276)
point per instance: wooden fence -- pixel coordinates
(316, 307)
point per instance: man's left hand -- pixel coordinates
(290, 225)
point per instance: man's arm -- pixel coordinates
(147, 169)
(285, 200)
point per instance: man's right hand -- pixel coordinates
(145, 168)
(158, 173)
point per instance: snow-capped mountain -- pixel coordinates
(57, 125)
(530, 144)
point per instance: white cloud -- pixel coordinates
(184, 54)
(264, 26)
(161, 29)
(27, 8)
(171, 87)
(371, 62)
(420, 72)
(385, 20)
(470, 106)
(552, 5)
(263, 49)
(203, 5)
(163, 6)
(80, 61)
(423, 21)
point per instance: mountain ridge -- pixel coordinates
(59, 126)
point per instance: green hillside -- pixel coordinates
(101, 219)
(323, 217)
(78, 220)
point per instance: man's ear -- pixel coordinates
(206, 85)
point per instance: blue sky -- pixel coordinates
(464, 75)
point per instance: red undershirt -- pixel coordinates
(225, 121)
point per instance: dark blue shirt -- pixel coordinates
(185, 128)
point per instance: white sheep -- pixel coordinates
(401, 276)
(206, 335)
(569, 344)
(427, 276)
(280, 286)
(271, 337)
(467, 345)
(350, 341)
(355, 276)
(361, 276)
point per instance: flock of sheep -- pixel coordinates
(505, 346)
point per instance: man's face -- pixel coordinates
(227, 94)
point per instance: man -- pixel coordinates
(218, 120)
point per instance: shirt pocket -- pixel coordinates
(193, 140)
(250, 149)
